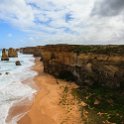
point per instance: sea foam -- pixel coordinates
(11, 87)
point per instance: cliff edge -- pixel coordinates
(86, 65)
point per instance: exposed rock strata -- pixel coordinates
(18, 63)
(87, 65)
(4, 55)
(12, 53)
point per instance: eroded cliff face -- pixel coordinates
(84, 67)
(4, 55)
(12, 52)
(36, 51)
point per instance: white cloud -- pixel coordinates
(62, 21)
(16, 12)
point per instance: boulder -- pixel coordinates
(7, 73)
(4, 55)
(18, 63)
(12, 52)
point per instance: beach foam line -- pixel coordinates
(12, 90)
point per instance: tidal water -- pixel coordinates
(12, 89)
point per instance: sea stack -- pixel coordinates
(18, 63)
(12, 53)
(4, 55)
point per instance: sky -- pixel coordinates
(40, 22)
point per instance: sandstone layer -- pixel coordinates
(12, 52)
(4, 55)
(86, 65)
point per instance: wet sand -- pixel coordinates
(47, 106)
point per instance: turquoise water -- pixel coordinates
(11, 88)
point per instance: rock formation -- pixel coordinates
(18, 63)
(7, 73)
(86, 65)
(12, 52)
(4, 55)
(36, 51)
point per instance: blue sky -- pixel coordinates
(40, 22)
(10, 36)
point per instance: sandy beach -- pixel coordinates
(51, 104)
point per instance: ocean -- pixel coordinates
(11, 88)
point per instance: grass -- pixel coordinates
(64, 96)
(110, 107)
(66, 89)
(99, 49)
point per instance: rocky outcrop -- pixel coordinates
(4, 55)
(86, 65)
(86, 69)
(12, 52)
(18, 63)
(36, 51)
(7, 73)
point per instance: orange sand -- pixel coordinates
(46, 107)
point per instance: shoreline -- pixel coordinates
(45, 106)
(19, 108)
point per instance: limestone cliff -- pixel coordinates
(36, 51)
(86, 65)
(12, 52)
(4, 55)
